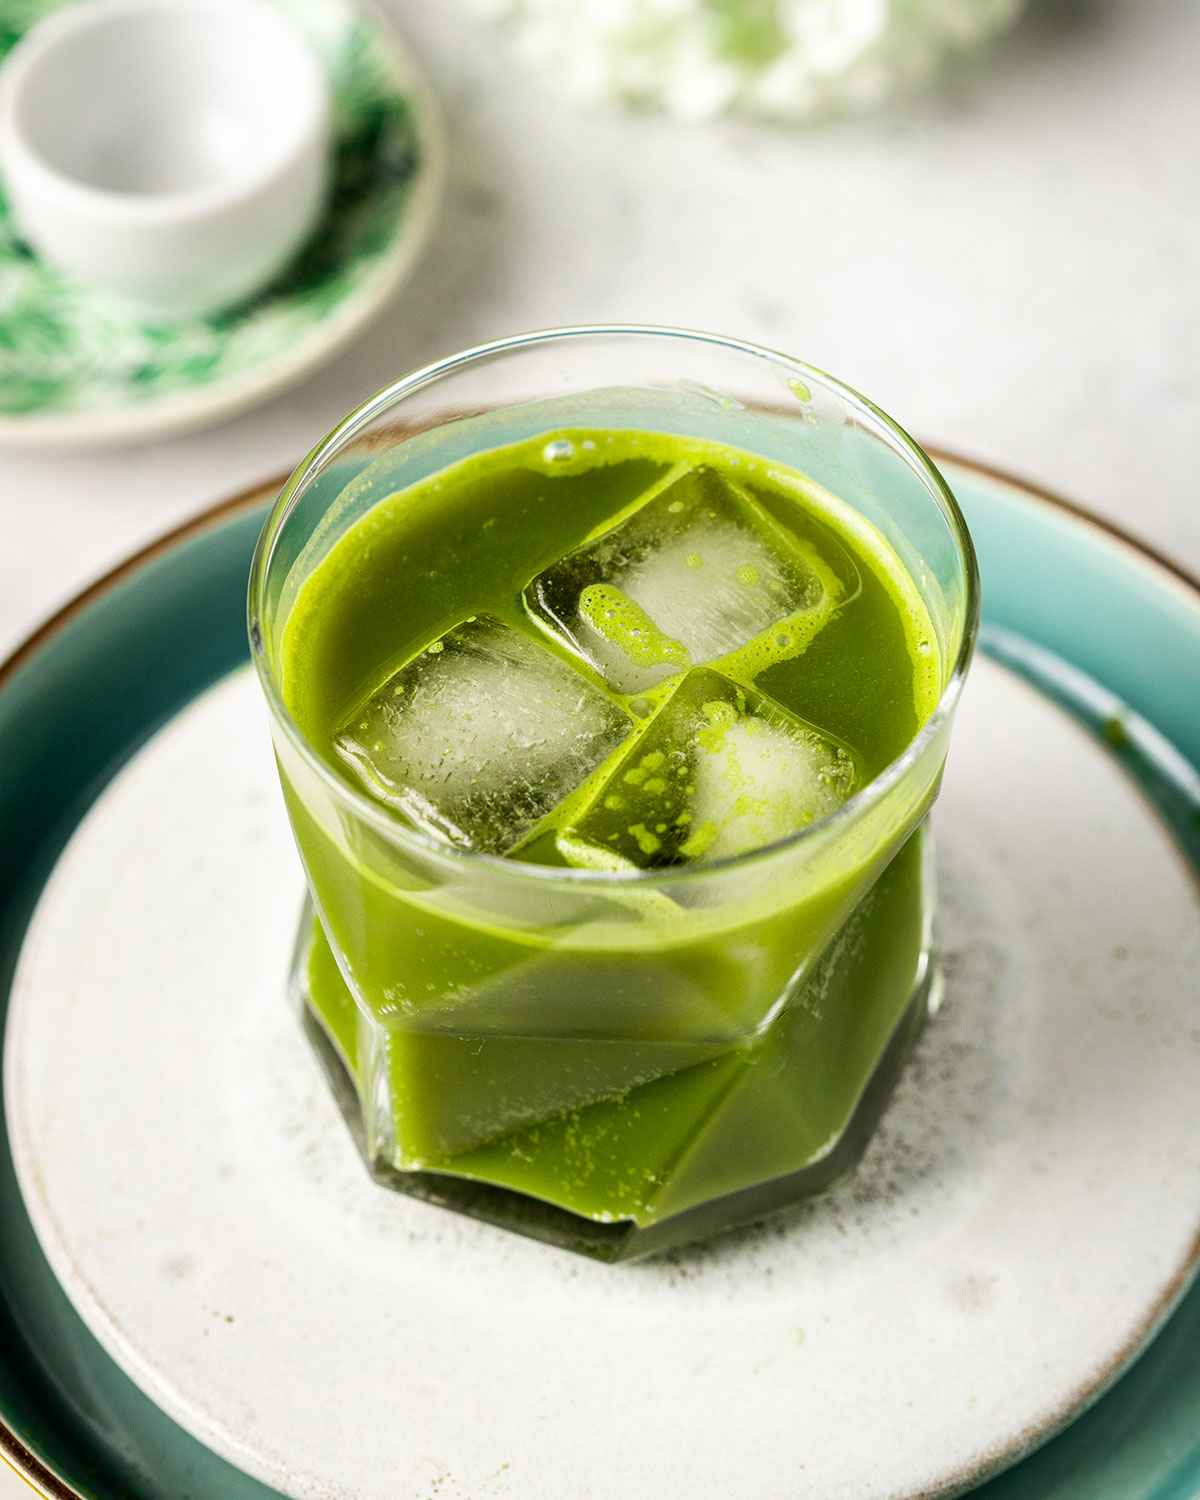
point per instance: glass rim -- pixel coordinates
(425, 844)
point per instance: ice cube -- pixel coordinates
(696, 569)
(720, 769)
(481, 735)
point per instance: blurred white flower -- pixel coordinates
(784, 59)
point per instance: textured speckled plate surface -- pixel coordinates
(77, 368)
(1023, 1224)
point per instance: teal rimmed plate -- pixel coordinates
(1093, 620)
(78, 369)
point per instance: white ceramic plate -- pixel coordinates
(1023, 1221)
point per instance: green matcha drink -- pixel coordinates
(598, 745)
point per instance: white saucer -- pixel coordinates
(78, 369)
(1025, 1218)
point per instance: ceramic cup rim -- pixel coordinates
(306, 131)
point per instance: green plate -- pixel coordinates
(1064, 596)
(76, 367)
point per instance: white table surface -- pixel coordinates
(1011, 267)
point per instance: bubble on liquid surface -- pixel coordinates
(559, 451)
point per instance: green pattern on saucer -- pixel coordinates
(68, 350)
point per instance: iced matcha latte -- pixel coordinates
(607, 743)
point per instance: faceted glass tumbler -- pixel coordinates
(615, 1061)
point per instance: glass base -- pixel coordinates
(737, 1137)
(626, 1240)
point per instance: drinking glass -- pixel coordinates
(616, 1061)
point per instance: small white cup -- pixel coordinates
(174, 152)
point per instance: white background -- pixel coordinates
(1011, 268)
